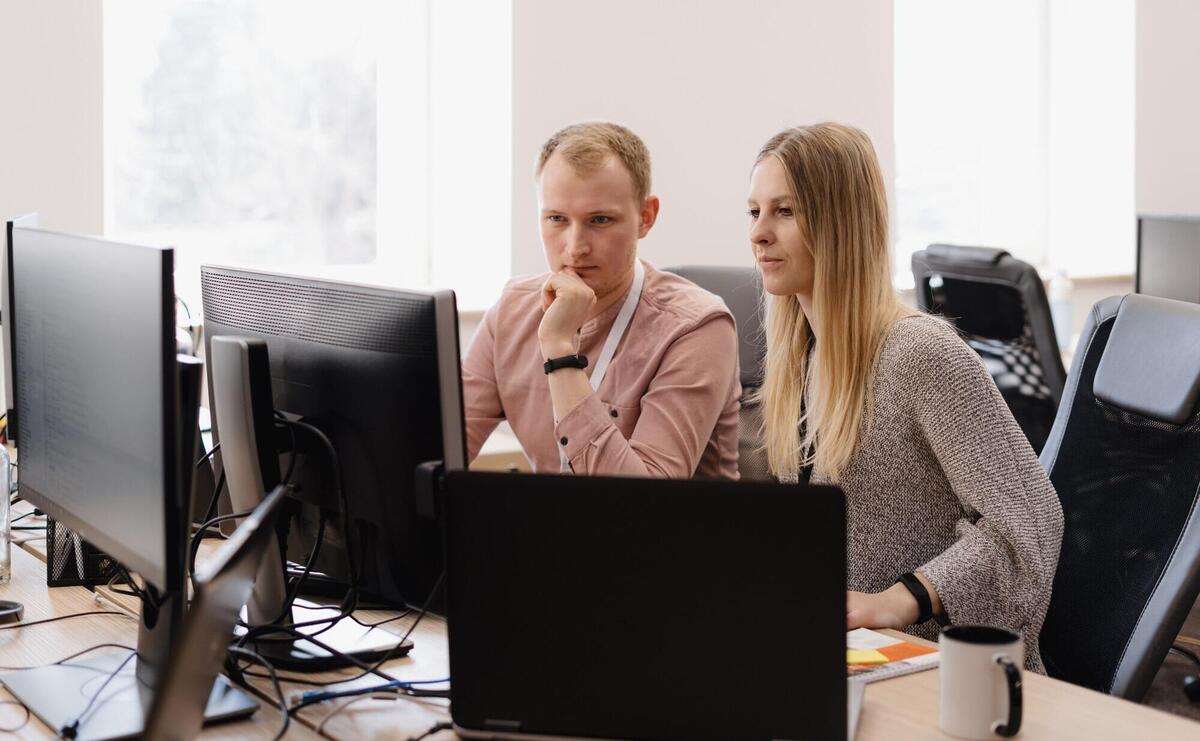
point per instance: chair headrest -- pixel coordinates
(1151, 362)
(741, 289)
(965, 254)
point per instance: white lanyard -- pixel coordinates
(620, 325)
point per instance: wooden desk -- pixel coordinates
(903, 708)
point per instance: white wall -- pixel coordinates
(705, 84)
(1168, 106)
(50, 113)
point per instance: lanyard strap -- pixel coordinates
(619, 327)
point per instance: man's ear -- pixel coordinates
(649, 215)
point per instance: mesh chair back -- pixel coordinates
(1129, 483)
(999, 305)
(741, 289)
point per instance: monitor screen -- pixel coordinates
(95, 368)
(377, 371)
(1168, 264)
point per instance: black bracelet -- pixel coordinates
(567, 361)
(924, 603)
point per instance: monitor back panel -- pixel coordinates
(1168, 260)
(621, 608)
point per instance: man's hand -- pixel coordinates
(566, 300)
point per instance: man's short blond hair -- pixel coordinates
(586, 146)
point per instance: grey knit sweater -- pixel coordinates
(944, 482)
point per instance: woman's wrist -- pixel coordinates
(902, 605)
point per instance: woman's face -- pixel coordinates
(784, 258)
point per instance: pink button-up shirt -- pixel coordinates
(668, 405)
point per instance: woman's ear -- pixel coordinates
(649, 215)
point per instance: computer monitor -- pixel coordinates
(1168, 257)
(6, 321)
(103, 398)
(376, 371)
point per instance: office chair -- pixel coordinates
(741, 289)
(1124, 456)
(999, 305)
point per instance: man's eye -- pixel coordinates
(555, 218)
(601, 219)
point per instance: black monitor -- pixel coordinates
(1168, 257)
(101, 396)
(6, 321)
(375, 371)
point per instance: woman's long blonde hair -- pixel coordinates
(841, 207)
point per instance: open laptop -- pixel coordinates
(587, 607)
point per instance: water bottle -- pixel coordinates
(1061, 313)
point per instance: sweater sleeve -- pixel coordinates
(1001, 567)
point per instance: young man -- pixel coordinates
(605, 365)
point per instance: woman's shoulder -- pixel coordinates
(921, 343)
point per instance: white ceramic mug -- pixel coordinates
(981, 681)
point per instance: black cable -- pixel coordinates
(208, 455)
(284, 710)
(211, 510)
(374, 668)
(350, 600)
(26, 624)
(438, 728)
(394, 618)
(308, 564)
(18, 518)
(198, 536)
(71, 730)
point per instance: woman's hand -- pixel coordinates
(894, 607)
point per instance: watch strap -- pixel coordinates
(566, 361)
(924, 602)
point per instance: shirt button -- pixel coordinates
(613, 412)
(562, 441)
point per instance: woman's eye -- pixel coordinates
(753, 213)
(784, 211)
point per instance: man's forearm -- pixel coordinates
(568, 387)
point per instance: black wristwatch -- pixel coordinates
(566, 361)
(924, 603)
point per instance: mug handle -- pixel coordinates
(1013, 675)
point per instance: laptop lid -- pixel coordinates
(617, 608)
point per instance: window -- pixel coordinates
(305, 136)
(1014, 129)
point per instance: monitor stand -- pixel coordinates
(346, 637)
(59, 693)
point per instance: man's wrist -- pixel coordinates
(557, 349)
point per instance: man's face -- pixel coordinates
(592, 223)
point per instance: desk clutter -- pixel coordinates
(320, 562)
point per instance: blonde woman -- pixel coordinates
(949, 514)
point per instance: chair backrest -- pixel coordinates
(1000, 306)
(741, 289)
(1124, 456)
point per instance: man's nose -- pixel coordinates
(577, 242)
